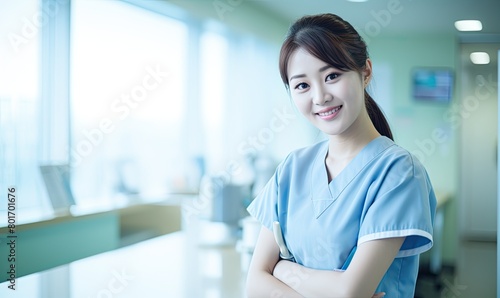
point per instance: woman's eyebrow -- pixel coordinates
(325, 68)
(303, 75)
(297, 76)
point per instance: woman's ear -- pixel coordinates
(367, 72)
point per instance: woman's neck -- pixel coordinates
(350, 142)
(344, 147)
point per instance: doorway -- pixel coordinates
(478, 122)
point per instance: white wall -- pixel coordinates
(478, 147)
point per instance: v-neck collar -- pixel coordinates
(323, 194)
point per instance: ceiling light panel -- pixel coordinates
(480, 58)
(469, 25)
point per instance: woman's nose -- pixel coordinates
(321, 96)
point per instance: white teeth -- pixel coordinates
(330, 112)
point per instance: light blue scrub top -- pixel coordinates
(383, 192)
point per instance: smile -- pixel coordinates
(329, 113)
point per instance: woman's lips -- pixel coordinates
(329, 113)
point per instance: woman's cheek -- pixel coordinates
(303, 107)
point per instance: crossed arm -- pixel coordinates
(268, 276)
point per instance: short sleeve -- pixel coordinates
(264, 207)
(404, 205)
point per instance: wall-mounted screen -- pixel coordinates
(432, 84)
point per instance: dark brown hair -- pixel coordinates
(334, 41)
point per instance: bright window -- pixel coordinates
(20, 137)
(128, 97)
(213, 71)
(155, 100)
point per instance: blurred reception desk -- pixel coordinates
(51, 239)
(171, 265)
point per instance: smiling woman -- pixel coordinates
(351, 55)
(355, 210)
(325, 84)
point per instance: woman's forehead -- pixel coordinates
(301, 61)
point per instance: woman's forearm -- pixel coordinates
(361, 279)
(309, 282)
(263, 284)
(317, 283)
(260, 279)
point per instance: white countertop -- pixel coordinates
(173, 265)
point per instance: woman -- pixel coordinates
(355, 210)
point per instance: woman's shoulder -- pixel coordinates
(399, 157)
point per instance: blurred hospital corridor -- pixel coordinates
(134, 135)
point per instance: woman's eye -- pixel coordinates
(332, 76)
(301, 86)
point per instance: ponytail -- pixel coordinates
(377, 117)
